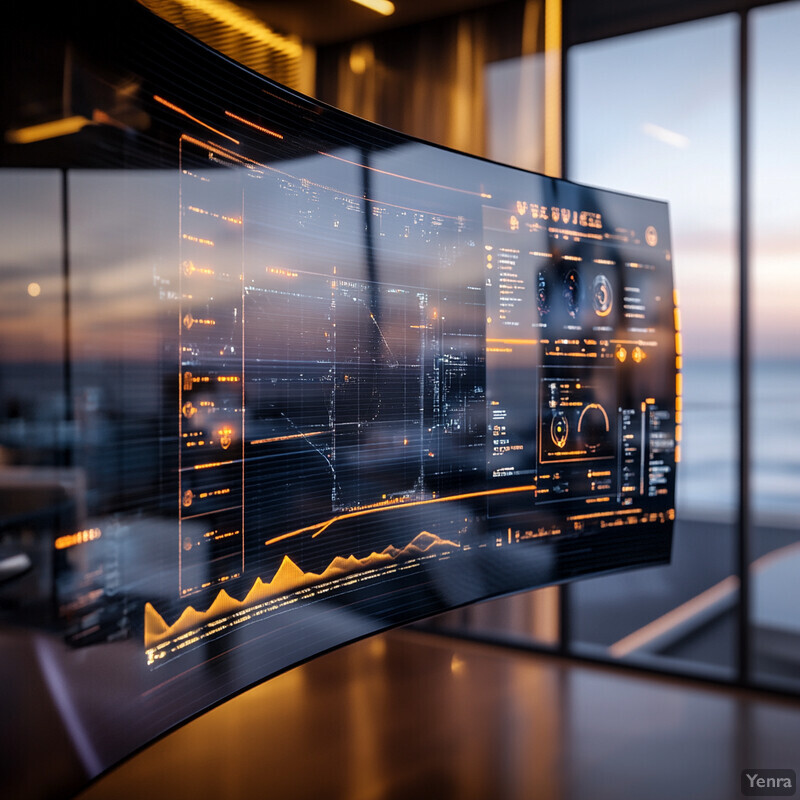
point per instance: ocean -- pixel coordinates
(707, 485)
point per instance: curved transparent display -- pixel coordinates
(275, 378)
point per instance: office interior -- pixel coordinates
(663, 681)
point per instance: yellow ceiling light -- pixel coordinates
(47, 130)
(362, 57)
(235, 18)
(384, 7)
(242, 36)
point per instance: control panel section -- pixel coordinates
(582, 362)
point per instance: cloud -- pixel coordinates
(665, 135)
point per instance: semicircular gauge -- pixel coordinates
(559, 429)
(593, 425)
(602, 296)
(572, 291)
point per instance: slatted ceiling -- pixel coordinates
(238, 34)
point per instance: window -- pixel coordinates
(670, 133)
(775, 344)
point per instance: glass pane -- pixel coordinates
(654, 113)
(515, 98)
(39, 487)
(515, 134)
(775, 285)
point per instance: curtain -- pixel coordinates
(428, 80)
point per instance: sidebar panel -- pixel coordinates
(211, 404)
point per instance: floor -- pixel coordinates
(412, 715)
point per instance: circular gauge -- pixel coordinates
(542, 295)
(572, 291)
(602, 298)
(559, 429)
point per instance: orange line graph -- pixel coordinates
(210, 465)
(220, 150)
(253, 125)
(225, 153)
(288, 578)
(406, 177)
(186, 114)
(286, 438)
(514, 341)
(321, 527)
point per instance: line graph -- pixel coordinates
(288, 578)
(321, 527)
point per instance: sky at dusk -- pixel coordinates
(656, 114)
